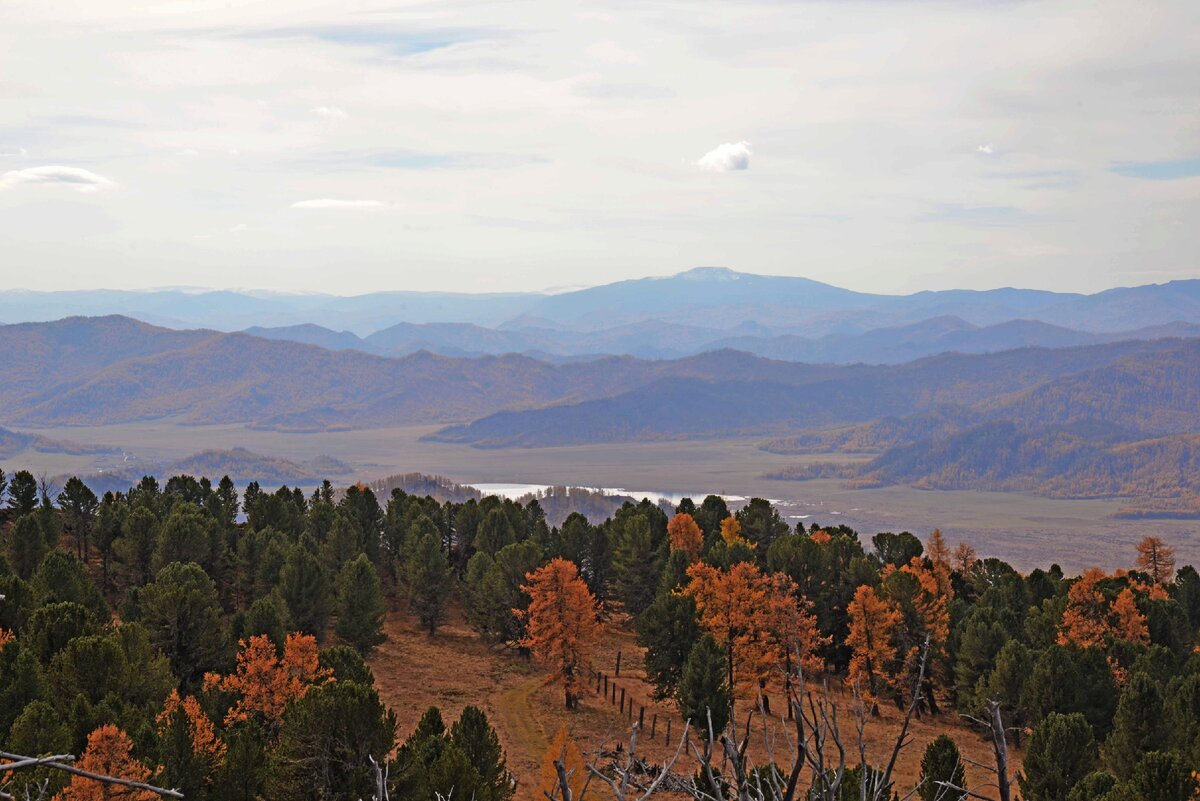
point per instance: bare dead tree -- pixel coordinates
(63, 762)
(815, 743)
(626, 776)
(993, 725)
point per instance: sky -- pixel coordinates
(361, 145)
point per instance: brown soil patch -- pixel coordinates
(455, 668)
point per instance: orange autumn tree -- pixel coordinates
(561, 625)
(1157, 559)
(873, 623)
(1128, 622)
(684, 535)
(265, 682)
(1085, 620)
(964, 558)
(731, 533)
(1090, 621)
(940, 557)
(109, 752)
(562, 749)
(922, 597)
(762, 621)
(203, 734)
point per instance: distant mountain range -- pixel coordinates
(707, 308)
(1130, 406)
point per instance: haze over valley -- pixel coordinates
(944, 399)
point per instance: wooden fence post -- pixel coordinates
(653, 725)
(622, 699)
(618, 663)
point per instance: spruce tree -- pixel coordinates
(429, 580)
(703, 695)
(22, 493)
(475, 737)
(26, 546)
(1164, 776)
(1137, 725)
(1062, 750)
(360, 605)
(637, 562)
(268, 616)
(668, 630)
(304, 588)
(941, 768)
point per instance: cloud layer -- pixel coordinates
(337, 203)
(73, 178)
(588, 147)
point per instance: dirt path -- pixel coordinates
(515, 715)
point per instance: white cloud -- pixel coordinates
(986, 150)
(330, 112)
(73, 178)
(727, 157)
(16, 152)
(237, 229)
(336, 203)
(189, 152)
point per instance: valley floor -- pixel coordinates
(1023, 529)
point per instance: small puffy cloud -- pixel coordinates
(330, 112)
(727, 157)
(13, 152)
(74, 178)
(336, 203)
(986, 150)
(189, 152)
(237, 229)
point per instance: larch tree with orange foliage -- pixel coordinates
(1091, 621)
(731, 533)
(684, 535)
(1157, 559)
(109, 752)
(964, 558)
(189, 749)
(940, 556)
(873, 623)
(1085, 620)
(562, 765)
(922, 597)
(761, 621)
(561, 624)
(265, 682)
(1128, 622)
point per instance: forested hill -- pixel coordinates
(116, 370)
(1143, 386)
(238, 644)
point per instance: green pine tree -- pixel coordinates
(304, 588)
(1062, 750)
(360, 605)
(668, 630)
(703, 696)
(1137, 725)
(475, 737)
(429, 581)
(941, 768)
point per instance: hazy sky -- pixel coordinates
(352, 145)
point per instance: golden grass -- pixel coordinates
(455, 668)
